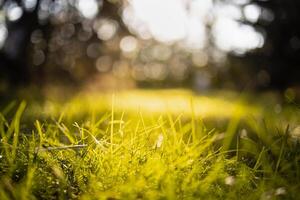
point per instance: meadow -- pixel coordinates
(151, 144)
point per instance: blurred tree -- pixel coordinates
(279, 58)
(14, 51)
(70, 40)
(40, 37)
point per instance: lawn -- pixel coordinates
(151, 144)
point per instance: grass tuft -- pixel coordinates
(111, 152)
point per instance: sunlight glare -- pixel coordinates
(166, 20)
(88, 8)
(233, 36)
(3, 34)
(186, 22)
(29, 4)
(252, 12)
(128, 44)
(14, 12)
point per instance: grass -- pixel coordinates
(149, 145)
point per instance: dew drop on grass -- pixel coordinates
(220, 136)
(121, 133)
(295, 133)
(230, 180)
(280, 191)
(244, 133)
(190, 161)
(159, 141)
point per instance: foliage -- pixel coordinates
(113, 154)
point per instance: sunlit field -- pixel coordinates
(150, 144)
(149, 99)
